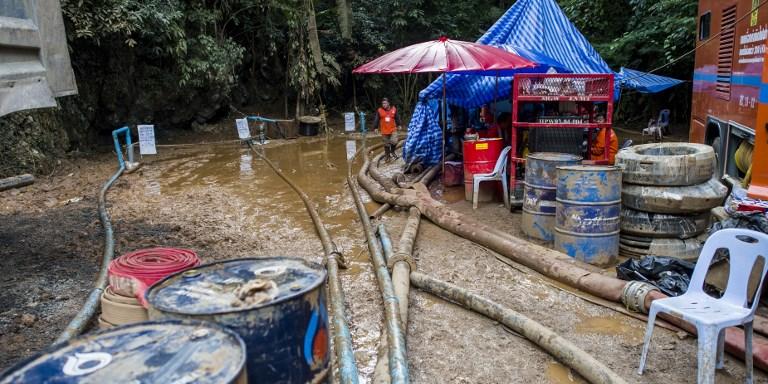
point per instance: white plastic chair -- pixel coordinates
(499, 174)
(710, 315)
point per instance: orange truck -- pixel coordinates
(730, 90)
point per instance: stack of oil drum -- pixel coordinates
(540, 192)
(587, 212)
(669, 190)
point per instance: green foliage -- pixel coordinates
(216, 44)
(657, 33)
(180, 33)
(644, 35)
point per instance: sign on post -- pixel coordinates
(349, 122)
(351, 149)
(147, 140)
(243, 132)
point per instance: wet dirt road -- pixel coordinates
(223, 202)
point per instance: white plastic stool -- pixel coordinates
(710, 315)
(499, 174)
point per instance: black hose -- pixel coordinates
(398, 363)
(342, 338)
(80, 321)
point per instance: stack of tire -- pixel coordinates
(668, 192)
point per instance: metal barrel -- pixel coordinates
(480, 156)
(588, 211)
(538, 219)
(276, 304)
(170, 351)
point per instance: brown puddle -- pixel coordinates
(560, 374)
(620, 326)
(452, 194)
(318, 166)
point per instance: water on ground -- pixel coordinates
(223, 202)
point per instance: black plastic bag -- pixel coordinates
(670, 275)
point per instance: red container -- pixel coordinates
(480, 157)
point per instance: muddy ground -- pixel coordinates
(221, 201)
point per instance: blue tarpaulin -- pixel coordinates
(644, 82)
(537, 30)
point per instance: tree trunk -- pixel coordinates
(343, 12)
(314, 40)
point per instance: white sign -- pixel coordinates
(245, 164)
(147, 140)
(351, 149)
(349, 121)
(752, 45)
(243, 132)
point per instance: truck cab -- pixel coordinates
(731, 38)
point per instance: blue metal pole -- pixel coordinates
(363, 128)
(116, 139)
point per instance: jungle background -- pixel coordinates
(183, 63)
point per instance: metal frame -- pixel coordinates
(517, 98)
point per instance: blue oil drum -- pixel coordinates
(588, 212)
(171, 351)
(540, 190)
(276, 304)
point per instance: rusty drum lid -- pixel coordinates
(171, 351)
(235, 285)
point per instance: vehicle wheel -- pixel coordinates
(717, 145)
(648, 224)
(674, 200)
(669, 164)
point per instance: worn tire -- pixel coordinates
(688, 249)
(674, 200)
(648, 224)
(667, 164)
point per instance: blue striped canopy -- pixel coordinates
(537, 30)
(424, 142)
(644, 82)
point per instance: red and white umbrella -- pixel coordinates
(446, 56)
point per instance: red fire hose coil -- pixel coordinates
(132, 273)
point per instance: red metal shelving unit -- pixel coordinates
(584, 89)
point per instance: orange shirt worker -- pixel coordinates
(387, 122)
(598, 146)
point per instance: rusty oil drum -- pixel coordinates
(588, 212)
(480, 156)
(276, 304)
(170, 351)
(538, 219)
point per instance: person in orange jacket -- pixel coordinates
(598, 146)
(387, 122)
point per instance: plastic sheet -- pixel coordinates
(756, 221)
(670, 275)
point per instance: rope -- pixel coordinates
(132, 273)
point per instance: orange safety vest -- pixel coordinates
(598, 147)
(387, 124)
